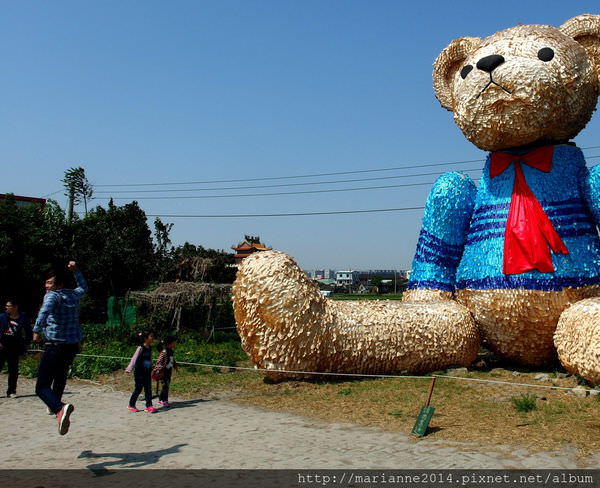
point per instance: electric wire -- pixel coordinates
(395, 168)
(291, 214)
(465, 170)
(290, 177)
(313, 175)
(332, 190)
(293, 193)
(354, 180)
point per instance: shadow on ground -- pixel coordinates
(127, 460)
(188, 403)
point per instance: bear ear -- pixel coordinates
(585, 29)
(445, 67)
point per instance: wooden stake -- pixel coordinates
(425, 414)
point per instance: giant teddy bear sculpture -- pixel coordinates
(514, 262)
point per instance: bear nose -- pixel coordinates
(490, 63)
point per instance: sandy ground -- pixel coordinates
(219, 434)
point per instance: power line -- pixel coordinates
(395, 168)
(270, 194)
(284, 214)
(284, 184)
(296, 176)
(331, 190)
(288, 177)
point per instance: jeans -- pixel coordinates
(53, 372)
(166, 382)
(143, 380)
(10, 355)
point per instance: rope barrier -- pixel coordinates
(356, 375)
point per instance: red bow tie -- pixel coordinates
(529, 234)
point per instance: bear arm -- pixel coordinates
(446, 221)
(591, 192)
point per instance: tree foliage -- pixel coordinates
(32, 240)
(113, 246)
(162, 248)
(185, 260)
(77, 188)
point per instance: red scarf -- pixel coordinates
(529, 234)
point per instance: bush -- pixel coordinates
(524, 403)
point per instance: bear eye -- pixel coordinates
(465, 71)
(545, 54)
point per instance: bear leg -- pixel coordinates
(287, 325)
(577, 339)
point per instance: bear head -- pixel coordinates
(523, 85)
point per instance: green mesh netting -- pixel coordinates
(118, 312)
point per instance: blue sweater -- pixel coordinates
(59, 316)
(462, 238)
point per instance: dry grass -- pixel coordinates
(465, 411)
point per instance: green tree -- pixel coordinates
(77, 188)
(219, 267)
(376, 281)
(32, 239)
(114, 247)
(162, 248)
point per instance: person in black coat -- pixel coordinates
(15, 336)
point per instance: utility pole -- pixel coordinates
(71, 203)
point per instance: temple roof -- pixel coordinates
(251, 244)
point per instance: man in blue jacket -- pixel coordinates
(58, 319)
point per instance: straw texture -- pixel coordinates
(577, 339)
(529, 99)
(285, 323)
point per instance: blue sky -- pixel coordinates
(194, 91)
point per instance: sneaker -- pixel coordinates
(49, 412)
(150, 410)
(63, 418)
(132, 409)
(12, 395)
(164, 404)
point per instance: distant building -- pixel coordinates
(26, 201)
(250, 245)
(386, 280)
(322, 274)
(384, 274)
(347, 277)
(326, 282)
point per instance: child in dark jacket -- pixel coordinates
(141, 365)
(164, 368)
(15, 336)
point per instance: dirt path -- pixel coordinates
(220, 434)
